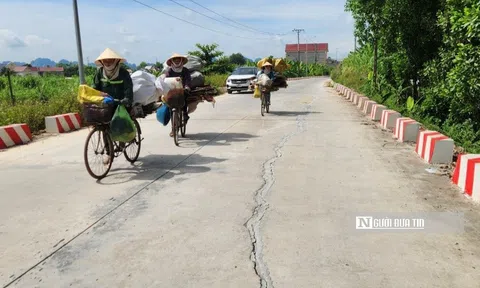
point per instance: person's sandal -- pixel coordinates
(171, 134)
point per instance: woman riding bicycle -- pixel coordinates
(176, 69)
(267, 69)
(114, 80)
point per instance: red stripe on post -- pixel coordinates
(456, 172)
(432, 143)
(26, 129)
(2, 144)
(425, 136)
(13, 135)
(79, 120)
(69, 122)
(59, 126)
(470, 175)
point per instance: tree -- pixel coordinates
(222, 65)
(159, 65)
(207, 53)
(368, 16)
(238, 59)
(142, 65)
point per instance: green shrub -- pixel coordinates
(216, 80)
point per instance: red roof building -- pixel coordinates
(309, 53)
(320, 47)
(26, 70)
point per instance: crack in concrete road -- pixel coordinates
(253, 224)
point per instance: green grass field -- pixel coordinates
(39, 97)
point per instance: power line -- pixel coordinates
(205, 15)
(194, 24)
(253, 29)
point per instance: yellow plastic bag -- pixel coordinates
(257, 93)
(87, 94)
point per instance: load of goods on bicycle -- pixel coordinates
(183, 87)
(274, 69)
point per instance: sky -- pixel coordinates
(31, 29)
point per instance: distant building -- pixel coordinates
(37, 71)
(309, 53)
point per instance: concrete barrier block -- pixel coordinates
(467, 175)
(434, 147)
(62, 123)
(15, 134)
(355, 99)
(389, 118)
(406, 129)
(361, 102)
(367, 107)
(376, 113)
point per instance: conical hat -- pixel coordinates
(109, 54)
(176, 55)
(267, 64)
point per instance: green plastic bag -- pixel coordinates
(122, 128)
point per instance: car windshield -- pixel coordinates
(244, 71)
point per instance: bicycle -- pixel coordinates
(179, 123)
(113, 149)
(265, 103)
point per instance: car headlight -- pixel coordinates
(229, 80)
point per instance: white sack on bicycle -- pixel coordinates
(175, 95)
(144, 90)
(161, 86)
(264, 80)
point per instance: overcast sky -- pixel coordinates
(37, 28)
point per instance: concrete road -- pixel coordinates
(245, 201)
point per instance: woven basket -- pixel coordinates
(97, 113)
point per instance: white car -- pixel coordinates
(241, 78)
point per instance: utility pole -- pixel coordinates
(10, 85)
(79, 43)
(355, 45)
(306, 57)
(298, 41)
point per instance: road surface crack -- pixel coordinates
(253, 224)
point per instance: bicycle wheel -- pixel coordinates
(267, 103)
(175, 126)
(99, 137)
(132, 149)
(183, 121)
(263, 104)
